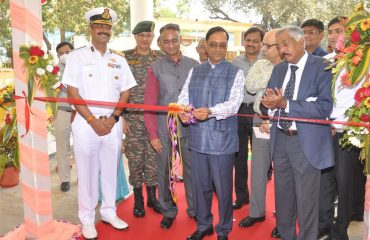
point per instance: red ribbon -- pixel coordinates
(154, 108)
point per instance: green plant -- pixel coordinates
(9, 152)
(9, 149)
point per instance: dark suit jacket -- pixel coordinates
(315, 139)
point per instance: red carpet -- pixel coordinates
(149, 226)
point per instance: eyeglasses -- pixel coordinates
(311, 32)
(214, 45)
(268, 46)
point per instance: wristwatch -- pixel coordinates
(116, 118)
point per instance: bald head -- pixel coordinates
(269, 49)
(201, 50)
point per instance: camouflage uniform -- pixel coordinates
(141, 156)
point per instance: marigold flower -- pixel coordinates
(365, 24)
(345, 80)
(350, 49)
(359, 52)
(359, 7)
(367, 102)
(33, 59)
(356, 60)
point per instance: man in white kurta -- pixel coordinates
(97, 73)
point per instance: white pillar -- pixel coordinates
(141, 10)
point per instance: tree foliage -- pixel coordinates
(170, 8)
(5, 30)
(68, 16)
(277, 13)
(65, 16)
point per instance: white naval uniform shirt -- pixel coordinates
(97, 77)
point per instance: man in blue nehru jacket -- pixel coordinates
(215, 89)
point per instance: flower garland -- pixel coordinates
(354, 54)
(42, 72)
(352, 65)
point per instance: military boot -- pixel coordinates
(139, 203)
(152, 201)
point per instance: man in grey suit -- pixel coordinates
(299, 87)
(164, 81)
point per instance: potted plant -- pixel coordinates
(9, 150)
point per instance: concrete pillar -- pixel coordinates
(141, 10)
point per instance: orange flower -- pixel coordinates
(350, 49)
(356, 60)
(345, 80)
(33, 59)
(366, 84)
(359, 52)
(365, 24)
(367, 102)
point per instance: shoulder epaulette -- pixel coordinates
(118, 53)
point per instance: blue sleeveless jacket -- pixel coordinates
(209, 86)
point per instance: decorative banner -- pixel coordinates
(26, 26)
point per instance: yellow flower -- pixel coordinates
(365, 24)
(366, 85)
(359, 7)
(33, 59)
(367, 102)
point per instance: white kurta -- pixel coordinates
(98, 78)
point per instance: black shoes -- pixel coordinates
(139, 210)
(65, 186)
(239, 203)
(152, 201)
(166, 222)
(356, 217)
(275, 233)
(324, 233)
(200, 235)
(249, 221)
(222, 238)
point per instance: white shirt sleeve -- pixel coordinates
(184, 95)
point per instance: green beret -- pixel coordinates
(143, 26)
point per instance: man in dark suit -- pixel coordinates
(299, 87)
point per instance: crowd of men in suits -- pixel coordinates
(281, 74)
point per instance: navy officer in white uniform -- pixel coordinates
(97, 73)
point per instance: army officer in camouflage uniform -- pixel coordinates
(140, 154)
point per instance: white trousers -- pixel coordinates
(96, 154)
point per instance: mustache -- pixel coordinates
(103, 33)
(284, 54)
